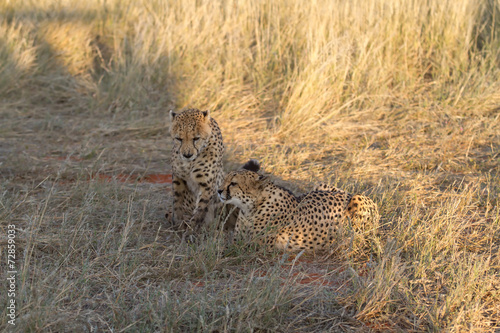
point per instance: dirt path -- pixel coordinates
(67, 145)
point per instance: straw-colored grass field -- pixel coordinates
(396, 99)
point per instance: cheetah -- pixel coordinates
(197, 167)
(288, 222)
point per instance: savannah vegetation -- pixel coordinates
(395, 99)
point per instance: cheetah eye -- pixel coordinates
(178, 139)
(232, 184)
(196, 138)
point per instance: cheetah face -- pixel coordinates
(241, 188)
(191, 132)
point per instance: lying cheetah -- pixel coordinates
(197, 166)
(308, 222)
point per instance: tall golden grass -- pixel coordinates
(399, 99)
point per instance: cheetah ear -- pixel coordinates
(172, 115)
(206, 114)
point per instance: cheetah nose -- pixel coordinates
(187, 155)
(219, 191)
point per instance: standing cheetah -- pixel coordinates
(308, 222)
(197, 166)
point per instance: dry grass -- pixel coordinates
(399, 100)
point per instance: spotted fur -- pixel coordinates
(197, 166)
(282, 220)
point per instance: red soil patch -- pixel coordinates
(156, 178)
(132, 178)
(301, 259)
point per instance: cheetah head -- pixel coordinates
(242, 188)
(191, 132)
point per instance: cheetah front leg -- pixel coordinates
(204, 204)
(180, 193)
